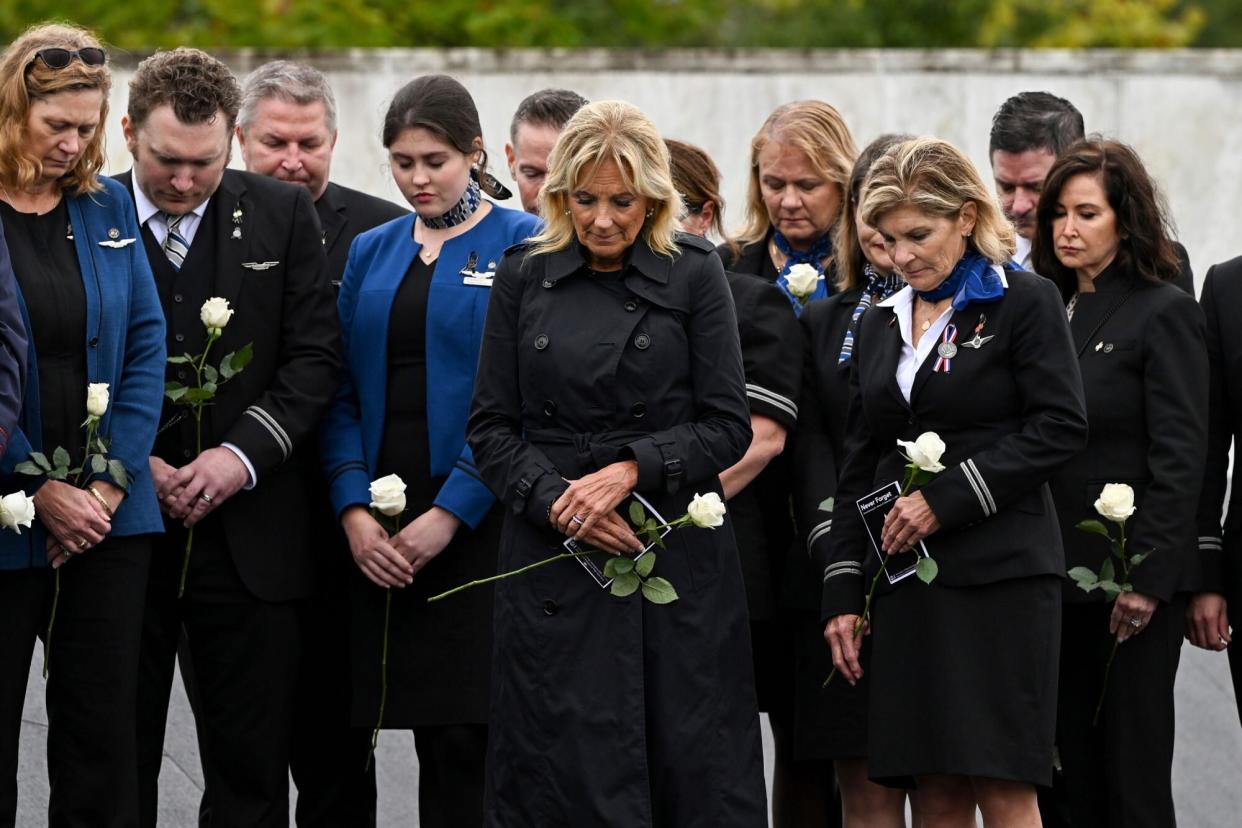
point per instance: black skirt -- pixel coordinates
(964, 681)
(829, 722)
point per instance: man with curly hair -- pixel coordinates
(255, 242)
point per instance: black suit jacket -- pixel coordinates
(1220, 541)
(1141, 351)
(343, 214)
(270, 266)
(1010, 412)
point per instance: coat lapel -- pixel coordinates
(234, 226)
(888, 350)
(333, 218)
(1085, 332)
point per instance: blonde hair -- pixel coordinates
(24, 79)
(937, 178)
(617, 131)
(817, 129)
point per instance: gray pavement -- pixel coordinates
(1206, 772)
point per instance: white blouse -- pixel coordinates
(912, 356)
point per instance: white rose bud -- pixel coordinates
(1116, 502)
(97, 399)
(388, 495)
(215, 314)
(16, 510)
(925, 451)
(802, 279)
(706, 511)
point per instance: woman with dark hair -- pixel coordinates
(757, 489)
(412, 304)
(1103, 239)
(832, 722)
(800, 161)
(962, 702)
(91, 314)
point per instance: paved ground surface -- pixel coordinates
(1206, 772)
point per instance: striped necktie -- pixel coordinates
(175, 246)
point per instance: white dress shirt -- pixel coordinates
(1023, 254)
(912, 356)
(153, 218)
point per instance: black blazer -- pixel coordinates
(819, 446)
(269, 264)
(1144, 369)
(753, 260)
(1010, 412)
(12, 349)
(1220, 541)
(772, 359)
(343, 214)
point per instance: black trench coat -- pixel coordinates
(606, 710)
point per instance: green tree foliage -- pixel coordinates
(316, 24)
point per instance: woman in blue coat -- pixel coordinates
(412, 305)
(91, 315)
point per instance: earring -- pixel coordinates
(651, 212)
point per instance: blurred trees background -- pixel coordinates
(329, 24)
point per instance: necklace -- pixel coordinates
(926, 325)
(1073, 303)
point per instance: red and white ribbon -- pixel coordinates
(946, 350)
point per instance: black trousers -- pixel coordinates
(451, 763)
(91, 685)
(328, 754)
(1117, 774)
(245, 659)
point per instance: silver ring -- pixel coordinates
(83, 545)
(206, 498)
(1136, 622)
(578, 519)
(66, 551)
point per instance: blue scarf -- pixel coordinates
(459, 212)
(814, 257)
(877, 289)
(972, 280)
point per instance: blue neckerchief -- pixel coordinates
(877, 289)
(972, 280)
(459, 212)
(814, 257)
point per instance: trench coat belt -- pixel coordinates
(593, 450)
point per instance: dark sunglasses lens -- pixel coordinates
(92, 56)
(56, 58)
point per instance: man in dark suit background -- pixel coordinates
(287, 128)
(1029, 132)
(537, 123)
(255, 242)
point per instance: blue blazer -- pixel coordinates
(124, 348)
(351, 432)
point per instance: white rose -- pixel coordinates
(97, 399)
(706, 511)
(388, 495)
(802, 279)
(925, 451)
(16, 510)
(1116, 502)
(215, 314)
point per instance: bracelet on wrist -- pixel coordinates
(103, 501)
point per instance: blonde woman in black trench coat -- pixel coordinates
(611, 365)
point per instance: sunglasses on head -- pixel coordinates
(56, 58)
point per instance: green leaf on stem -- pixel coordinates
(1107, 571)
(26, 467)
(184, 359)
(927, 569)
(197, 395)
(625, 585)
(60, 457)
(175, 391)
(40, 459)
(99, 464)
(116, 469)
(618, 566)
(59, 473)
(210, 386)
(644, 565)
(1085, 578)
(1138, 557)
(1118, 550)
(1111, 588)
(1127, 587)
(1095, 527)
(236, 362)
(659, 591)
(210, 374)
(638, 517)
(826, 505)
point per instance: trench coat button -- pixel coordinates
(94, 342)
(550, 607)
(541, 342)
(180, 337)
(638, 410)
(180, 373)
(549, 408)
(910, 421)
(548, 283)
(1108, 349)
(642, 342)
(177, 297)
(631, 305)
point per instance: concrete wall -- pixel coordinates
(1181, 109)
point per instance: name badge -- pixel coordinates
(470, 276)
